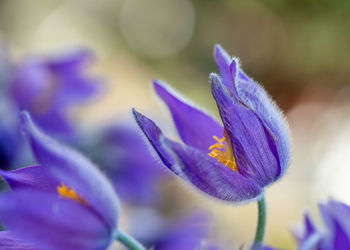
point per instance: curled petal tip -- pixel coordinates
(158, 84)
(136, 114)
(214, 78)
(138, 117)
(220, 54)
(218, 48)
(215, 82)
(155, 81)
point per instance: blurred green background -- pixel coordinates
(297, 49)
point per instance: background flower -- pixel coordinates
(336, 235)
(123, 155)
(49, 88)
(183, 232)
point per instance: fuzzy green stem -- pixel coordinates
(129, 241)
(260, 230)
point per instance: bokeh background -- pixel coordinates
(298, 50)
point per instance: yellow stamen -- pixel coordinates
(69, 193)
(223, 153)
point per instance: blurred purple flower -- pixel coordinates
(63, 203)
(336, 236)
(48, 88)
(124, 156)
(233, 162)
(185, 233)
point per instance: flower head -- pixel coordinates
(336, 217)
(63, 203)
(48, 88)
(233, 161)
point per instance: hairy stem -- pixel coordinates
(260, 230)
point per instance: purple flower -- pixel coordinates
(233, 162)
(185, 233)
(63, 203)
(336, 217)
(123, 155)
(48, 88)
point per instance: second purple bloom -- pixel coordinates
(234, 161)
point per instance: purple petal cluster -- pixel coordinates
(64, 202)
(232, 161)
(336, 218)
(48, 88)
(125, 158)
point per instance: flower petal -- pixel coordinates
(210, 176)
(198, 168)
(335, 215)
(50, 222)
(223, 60)
(153, 134)
(309, 225)
(257, 99)
(9, 241)
(74, 170)
(253, 146)
(72, 61)
(48, 87)
(341, 236)
(36, 177)
(195, 127)
(310, 237)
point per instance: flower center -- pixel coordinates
(223, 153)
(69, 193)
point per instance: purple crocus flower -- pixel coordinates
(48, 88)
(234, 161)
(63, 203)
(336, 217)
(134, 172)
